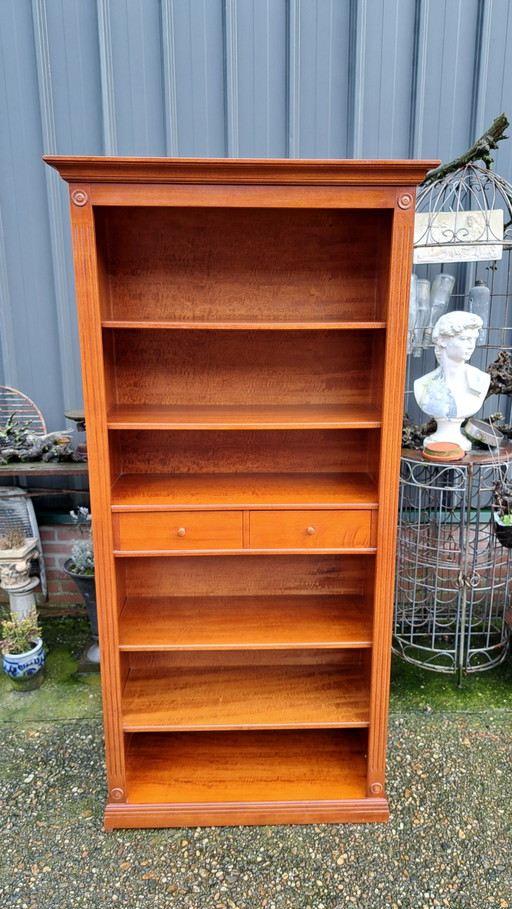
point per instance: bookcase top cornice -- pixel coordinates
(246, 170)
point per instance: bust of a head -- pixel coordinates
(455, 390)
(455, 334)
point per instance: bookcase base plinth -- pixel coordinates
(362, 811)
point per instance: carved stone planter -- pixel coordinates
(15, 565)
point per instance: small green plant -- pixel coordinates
(14, 539)
(20, 635)
(502, 491)
(82, 551)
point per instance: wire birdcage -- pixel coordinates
(472, 252)
(454, 579)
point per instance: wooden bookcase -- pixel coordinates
(243, 333)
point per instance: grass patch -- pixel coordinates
(413, 688)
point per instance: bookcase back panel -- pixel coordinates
(235, 264)
(262, 451)
(226, 659)
(203, 367)
(255, 575)
(261, 765)
(250, 690)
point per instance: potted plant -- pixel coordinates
(80, 567)
(16, 554)
(502, 493)
(23, 651)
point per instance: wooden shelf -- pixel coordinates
(43, 468)
(216, 697)
(140, 492)
(244, 623)
(243, 326)
(279, 416)
(246, 767)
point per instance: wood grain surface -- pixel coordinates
(245, 697)
(240, 416)
(301, 368)
(135, 492)
(244, 623)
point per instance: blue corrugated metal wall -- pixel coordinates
(249, 78)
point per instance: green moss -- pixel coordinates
(413, 688)
(66, 693)
(72, 632)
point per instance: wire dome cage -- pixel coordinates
(454, 577)
(462, 238)
(479, 205)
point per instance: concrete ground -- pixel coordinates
(448, 843)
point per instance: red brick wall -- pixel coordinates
(57, 540)
(63, 595)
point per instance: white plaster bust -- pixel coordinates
(454, 391)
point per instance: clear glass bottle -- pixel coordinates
(442, 287)
(479, 303)
(423, 314)
(413, 311)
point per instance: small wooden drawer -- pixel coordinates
(177, 531)
(311, 529)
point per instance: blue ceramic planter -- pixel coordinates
(26, 670)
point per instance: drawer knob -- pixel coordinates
(181, 531)
(310, 531)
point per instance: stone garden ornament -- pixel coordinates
(455, 390)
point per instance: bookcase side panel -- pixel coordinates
(97, 384)
(400, 265)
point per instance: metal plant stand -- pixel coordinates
(454, 577)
